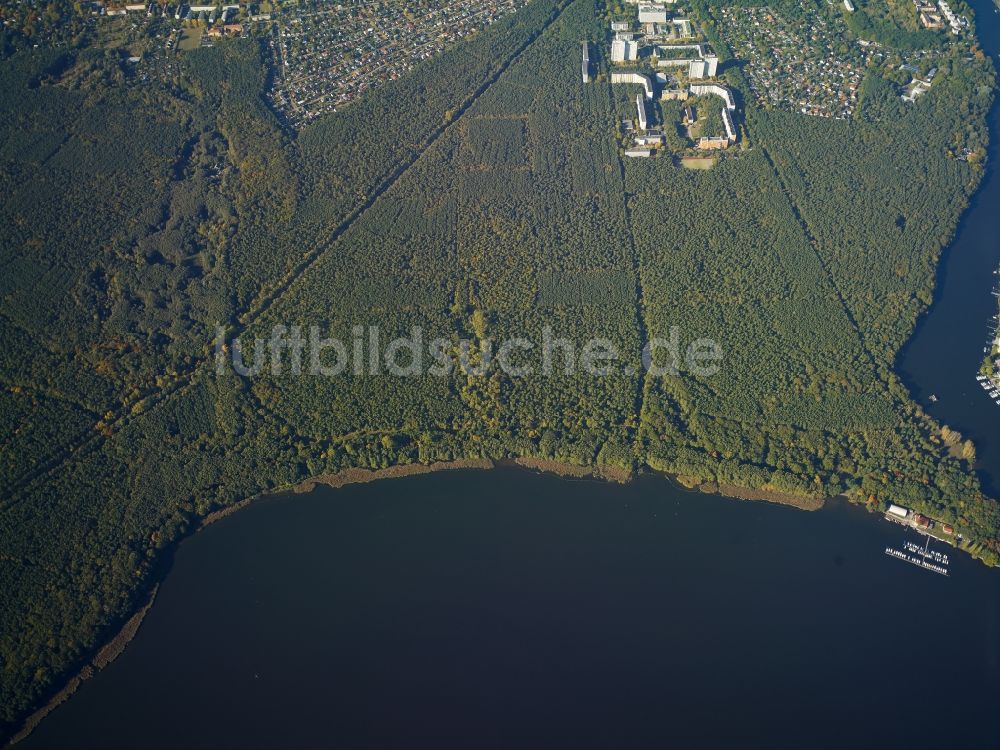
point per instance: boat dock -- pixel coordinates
(989, 387)
(990, 381)
(922, 557)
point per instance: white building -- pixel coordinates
(703, 64)
(586, 63)
(956, 26)
(637, 78)
(650, 138)
(919, 87)
(727, 114)
(622, 51)
(652, 14)
(705, 67)
(727, 122)
(640, 105)
(682, 26)
(706, 89)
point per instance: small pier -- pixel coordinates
(990, 381)
(922, 557)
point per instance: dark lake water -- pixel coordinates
(507, 609)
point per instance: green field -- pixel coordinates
(698, 162)
(190, 39)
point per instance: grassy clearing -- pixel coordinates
(190, 39)
(699, 162)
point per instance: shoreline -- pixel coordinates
(802, 502)
(106, 654)
(118, 643)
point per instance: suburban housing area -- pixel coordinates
(328, 54)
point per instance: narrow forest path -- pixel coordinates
(640, 296)
(814, 245)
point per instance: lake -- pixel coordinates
(508, 609)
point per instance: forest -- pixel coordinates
(480, 197)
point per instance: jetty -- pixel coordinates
(922, 557)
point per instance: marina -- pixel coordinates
(922, 557)
(990, 387)
(989, 371)
(914, 553)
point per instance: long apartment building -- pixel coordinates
(637, 78)
(699, 60)
(640, 105)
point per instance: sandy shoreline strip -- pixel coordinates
(104, 656)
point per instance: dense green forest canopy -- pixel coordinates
(483, 196)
